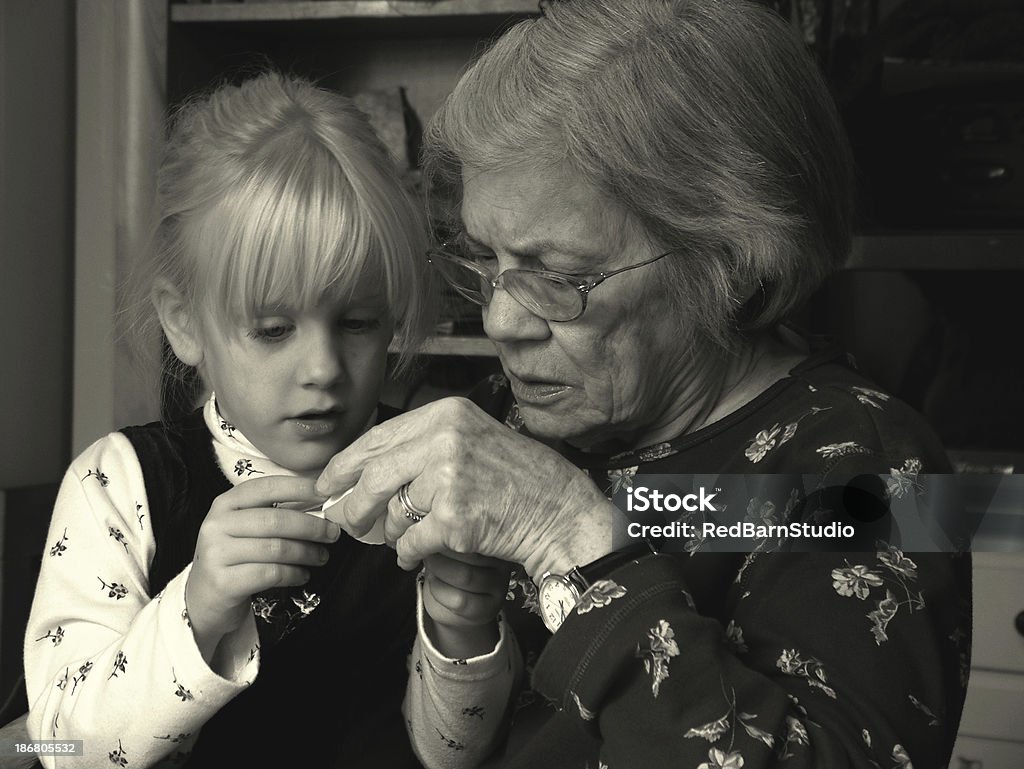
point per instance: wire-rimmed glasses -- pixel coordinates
(555, 296)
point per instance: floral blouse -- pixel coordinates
(98, 645)
(107, 662)
(716, 660)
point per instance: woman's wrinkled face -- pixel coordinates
(616, 373)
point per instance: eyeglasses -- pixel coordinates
(555, 296)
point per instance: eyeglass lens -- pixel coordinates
(547, 297)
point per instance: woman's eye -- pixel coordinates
(483, 258)
(272, 333)
(473, 252)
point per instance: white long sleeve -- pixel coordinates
(104, 661)
(456, 709)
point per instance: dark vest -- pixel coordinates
(330, 684)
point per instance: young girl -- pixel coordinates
(187, 607)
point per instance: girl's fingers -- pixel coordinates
(450, 606)
(271, 489)
(461, 575)
(275, 550)
(251, 578)
(270, 522)
(232, 553)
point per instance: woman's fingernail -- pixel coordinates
(333, 531)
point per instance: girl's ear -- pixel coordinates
(180, 326)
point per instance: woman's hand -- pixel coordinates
(462, 595)
(488, 490)
(246, 545)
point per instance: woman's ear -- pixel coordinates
(178, 321)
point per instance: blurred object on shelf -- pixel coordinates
(439, 376)
(944, 145)
(955, 30)
(806, 16)
(832, 30)
(987, 462)
(943, 341)
(965, 371)
(394, 121)
(933, 98)
(459, 316)
(256, 2)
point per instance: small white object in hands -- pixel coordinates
(375, 536)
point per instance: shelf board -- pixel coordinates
(470, 346)
(936, 250)
(298, 10)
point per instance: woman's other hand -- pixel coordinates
(486, 489)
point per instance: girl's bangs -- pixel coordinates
(291, 242)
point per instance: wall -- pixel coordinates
(36, 235)
(37, 50)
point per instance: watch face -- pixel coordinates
(556, 597)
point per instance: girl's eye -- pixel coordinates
(359, 325)
(272, 333)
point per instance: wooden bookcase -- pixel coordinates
(137, 57)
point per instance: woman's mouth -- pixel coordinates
(536, 390)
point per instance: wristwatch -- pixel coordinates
(558, 594)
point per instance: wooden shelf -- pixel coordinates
(345, 9)
(469, 346)
(935, 250)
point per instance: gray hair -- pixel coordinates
(705, 120)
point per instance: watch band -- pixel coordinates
(606, 564)
(567, 589)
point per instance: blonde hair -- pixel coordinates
(704, 120)
(277, 191)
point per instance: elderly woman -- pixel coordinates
(648, 188)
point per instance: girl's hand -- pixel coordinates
(488, 490)
(462, 595)
(246, 545)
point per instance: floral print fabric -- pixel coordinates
(109, 662)
(98, 645)
(707, 660)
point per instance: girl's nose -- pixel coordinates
(321, 364)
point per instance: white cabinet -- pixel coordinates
(992, 728)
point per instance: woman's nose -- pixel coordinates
(506, 320)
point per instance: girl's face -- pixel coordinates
(300, 384)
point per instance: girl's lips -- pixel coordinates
(317, 423)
